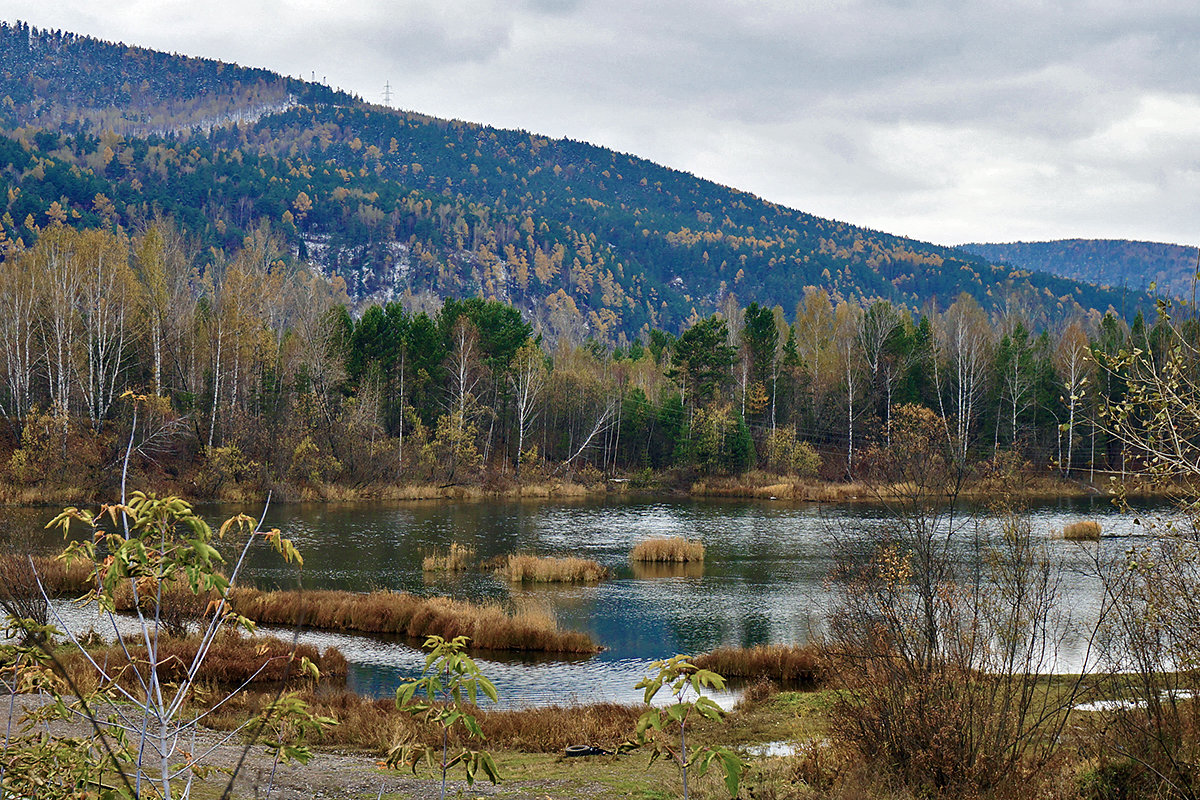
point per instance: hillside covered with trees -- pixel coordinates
(587, 242)
(1119, 263)
(265, 283)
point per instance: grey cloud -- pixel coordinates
(945, 119)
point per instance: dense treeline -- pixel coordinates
(250, 368)
(586, 242)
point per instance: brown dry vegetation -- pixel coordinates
(459, 558)
(674, 549)
(490, 627)
(1082, 530)
(376, 725)
(534, 569)
(233, 660)
(56, 577)
(765, 486)
(791, 663)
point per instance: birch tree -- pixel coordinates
(814, 328)
(848, 323)
(104, 316)
(18, 336)
(1071, 360)
(528, 378)
(879, 324)
(154, 297)
(1014, 359)
(964, 342)
(59, 279)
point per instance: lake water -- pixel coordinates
(762, 581)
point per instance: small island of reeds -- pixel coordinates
(798, 665)
(1087, 530)
(534, 569)
(675, 549)
(459, 558)
(490, 626)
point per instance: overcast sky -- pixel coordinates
(945, 121)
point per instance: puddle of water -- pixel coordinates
(780, 749)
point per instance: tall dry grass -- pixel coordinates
(180, 607)
(233, 660)
(58, 579)
(490, 627)
(376, 725)
(534, 569)
(1087, 530)
(792, 664)
(459, 558)
(674, 549)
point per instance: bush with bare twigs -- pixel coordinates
(942, 659)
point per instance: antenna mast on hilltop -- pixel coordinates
(387, 93)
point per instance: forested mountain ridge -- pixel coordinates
(586, 241)
(56, 78)
(1112, 262)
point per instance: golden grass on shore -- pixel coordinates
(376, 725)
(767, 486)
(490, 627)
(674, 549)
(798, 665)
(1082, 531)
(535, 569)
(459, 558)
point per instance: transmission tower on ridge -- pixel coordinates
(387, 93)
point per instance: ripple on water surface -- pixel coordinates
(762, 581)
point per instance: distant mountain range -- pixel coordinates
(1111, 262)
(585, 240)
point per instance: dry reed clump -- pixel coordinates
(785, 663)
(1082, 531)
(551, 729)
(178, 606)
(490, 627)
(57, 578)
(674, 549)
(376, 725)
(532, 569)
(459, 558)
(232, 660)
(363, 724)
(762, 689)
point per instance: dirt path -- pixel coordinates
(331, 774)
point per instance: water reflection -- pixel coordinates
(656, 570)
